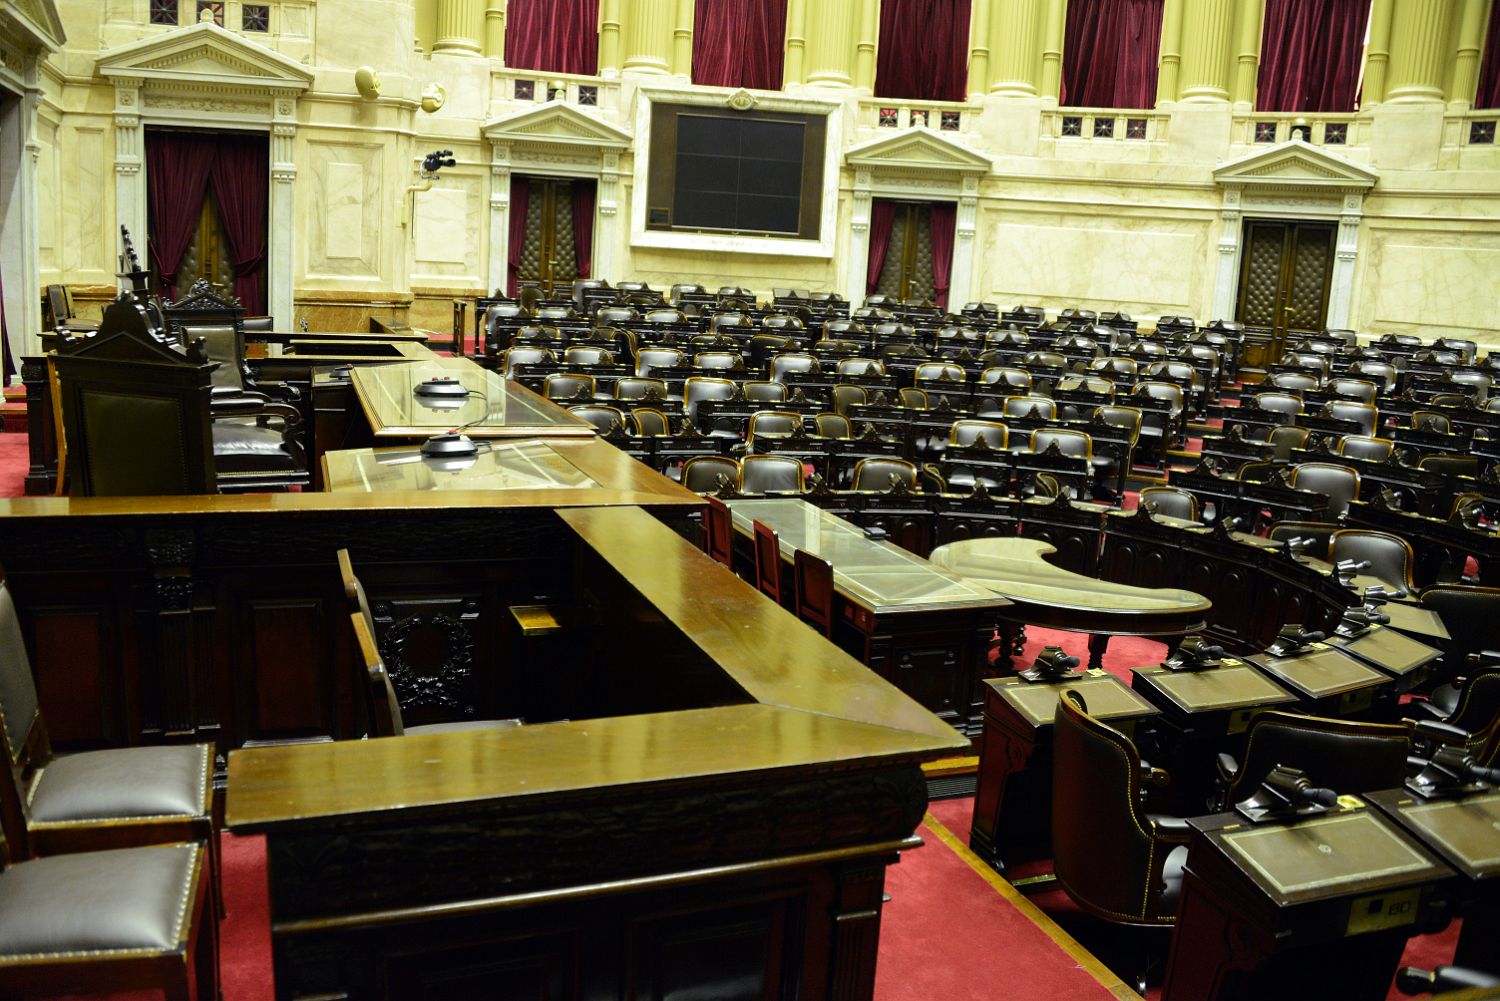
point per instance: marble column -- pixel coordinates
(979, 49)
(1170, 62)
(20, 249)
(859, 238)
(864, 56)
(1419, 50)
(283, 202)
(458, 26)
(648, 36)
(1052, 50)
(961, 276)
(831, 44)
(1247, 35)
(130, 160)
(1015, 47)
(494, 29)
(1208, 34)
(609, 38)
(1377, 54)
(1466, 64)
(796, 42)
(499, 218)
(682, 40)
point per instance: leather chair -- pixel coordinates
(1074, 443)
(703, 473)
(792, 362)
(830, 347)
(1111, 858)
(1391, 557)
(1380, 372)
(1478, 383)
(764, 392)
(718, 532)
(649, 422)
(767, 561)
(585, 354)
(1319, 535)
(1470, 614)
(833, 426)
(1283, 440)
(1471, 703)
(1129, 418)
(647, 359)
(1285, 404)
(846, 396)
(772, 423)
(698, 388)
(718, 360)
(1114, 365)
(1172, 502)
(1340, 484)
(940, 371)
(1360, 390)
(1337, 754)
(860, 366)
(1006, 376)
(1027, 406)
(129, 919)
(639, 387)
(1358, 446)
(764, 474)
(1364, 414)
(1044, 360)
(1450, 465)
(601, 416)
(813, 577)
(913, 398)
(1293, 382)
(382, 707)
(525, 354)
(1432, 420)
(565, 386)
(1161, 432)
(968, 431)
(878, 474)
(664, 316)
(126, 797)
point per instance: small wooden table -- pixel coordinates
(1041, 594)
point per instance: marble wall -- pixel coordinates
(1059, 219)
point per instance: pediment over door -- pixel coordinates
(1296, 166)
(35, 20)
(205, 54)
(916, 151)
(558, 125)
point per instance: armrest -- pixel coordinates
(1228, 767)
(281, 390)
(254, 405)
(1170, 828)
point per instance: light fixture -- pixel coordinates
(367, 82)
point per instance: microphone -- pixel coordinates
(1286, 792)
(453, 444)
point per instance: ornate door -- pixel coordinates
(548, 257)
(1284, 274)
(907, 273)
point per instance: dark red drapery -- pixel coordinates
(1310, 55)
(239, 178)
(177, 168)
(943, 224)
(739, 43)
(520, 204)
(1110, 50)
(583, 227)
(882, 219)
(557, 36)
(9, 364)
(1489, 65)
(924, 50)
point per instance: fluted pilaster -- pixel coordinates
(796, 42)
(648, 36)
(1466, 64)
(864, 56)
(1377, 54)
(831, 44)
(1052, 49)
(1208, 37)
(1015, 47)
(1170, 61)
(459, 23)
(1247, 34)
(682, 39)
(979, 49)
(1419, 50)
(609, 38)
(494, 29)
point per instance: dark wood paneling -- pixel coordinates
(287, 671)
(81, 705)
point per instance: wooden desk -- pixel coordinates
(920, 627)
(1013, 800)
(1312, 910)
(1329, 682)
(1407, 661)
(1044, 595)
(737, 832)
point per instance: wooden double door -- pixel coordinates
(558, 219)
(1285, 271)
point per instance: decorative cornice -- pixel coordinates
(205, 53)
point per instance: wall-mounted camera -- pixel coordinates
(437, 160)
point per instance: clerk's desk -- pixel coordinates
(913, 623)
(715, 820)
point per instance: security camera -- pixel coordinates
(438, 159)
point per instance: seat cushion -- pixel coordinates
(1171, 874)
(462, 725)
(137, 899)
(126, 783)
(241, 448)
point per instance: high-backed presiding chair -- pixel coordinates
(1391, 557)
(1340, 484)
(763, 474)
(813, 577)
(91, 800)
(1112, 859)
(1341, 755)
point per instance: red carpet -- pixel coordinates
(14, 462)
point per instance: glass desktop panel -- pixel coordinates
(493, 404)
(498, 466)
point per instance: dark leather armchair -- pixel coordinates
(1359, 446)
(1340, 484)
(1319, 535)
(879, 474)
(761, 474)
(1173, 502)
(701, 474)
(602, 416)
(1111, 858)
(1391, 557)
(1469, 613)
(1337, 754)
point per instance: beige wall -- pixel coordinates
(1058, 221)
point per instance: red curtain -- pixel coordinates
(177, 168)
(1110, 50)
(239, 177)
(924, 50)
(739, 43)
(1310, 55)
(882, 219)
(943, 223)
(520, 203)
(557, 36)
(583, 227)
(1489, 65)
